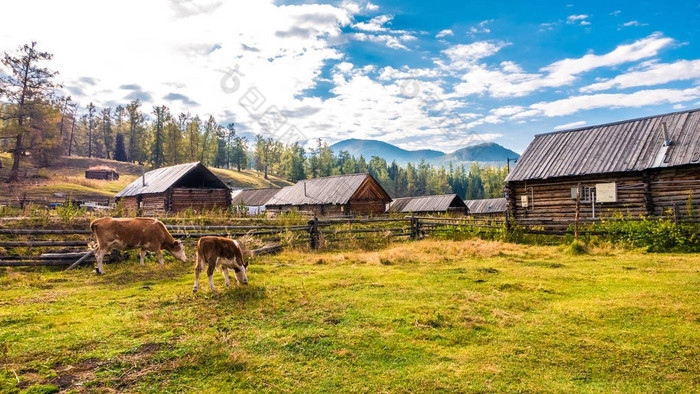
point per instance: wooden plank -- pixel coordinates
(15, 244)
(85, 257)
(41, 231)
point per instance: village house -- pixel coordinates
(340, 195)
(444, 203)
(640, 167)
(254, 200)
(488, 207)
(176, 188)
(102, 172)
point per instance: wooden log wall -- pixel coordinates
(657, 192)
(367, 207)
(199, 199)
(130, 203)
(672, 188)
(551, 199)
(152, 204)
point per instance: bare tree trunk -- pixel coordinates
(14, 172)
(70, 142)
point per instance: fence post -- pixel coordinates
(578, 210)
(413, 227)
(313, 233)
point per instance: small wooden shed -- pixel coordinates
(176, 188)
(102, 172)
(639, 167)
(444, 203)
(255, 200)
(488, 207)
(339, 195)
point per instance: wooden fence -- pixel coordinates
(40, 246)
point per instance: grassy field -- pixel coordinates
(423, 316)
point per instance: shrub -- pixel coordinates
(656, 235)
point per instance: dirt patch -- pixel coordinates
(76, 376)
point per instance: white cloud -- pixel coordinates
(511, 81)
(571, 125)
(640, 98)
(480, 28)
(371, 7)
(654, 74)
(444, 33)
(580, 19)
(393, 42)
(466, 55)
(375, 24)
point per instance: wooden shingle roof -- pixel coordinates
(162, 179)
(332, 190)
(488, 205)
(439, 203)
(253, 197)
(632, 145)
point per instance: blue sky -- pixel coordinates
(436, 74)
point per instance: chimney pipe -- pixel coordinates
(664, 129)
(143, 177)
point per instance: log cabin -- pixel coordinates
(488, 207)
(444, 203)
(340, 195)
(176, 188)
(641, 167)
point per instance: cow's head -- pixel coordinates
(241, 273)
(178, 251)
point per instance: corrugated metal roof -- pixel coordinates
(337, 189)
(159, 180)
(440, 203)
(632, 145)
(489, 205)
(253, 197)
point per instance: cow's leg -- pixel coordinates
(142, 254)
(198, 267)
(159, 255)
(210, 273)
(99, 255)
(224, 271)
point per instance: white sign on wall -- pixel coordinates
(606, 192)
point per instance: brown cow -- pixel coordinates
(227, 253)
(134, 233)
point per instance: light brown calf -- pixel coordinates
(225, 252)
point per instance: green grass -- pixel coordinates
(425, 316)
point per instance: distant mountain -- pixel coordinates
(388, 152)
(486, 153)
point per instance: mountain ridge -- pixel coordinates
(488, 152)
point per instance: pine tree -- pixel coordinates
(106, 124)
(120, 149)
(157, 153)
(91, 120)
(27, 87)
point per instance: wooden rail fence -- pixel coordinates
(316, 233)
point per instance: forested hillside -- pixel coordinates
(38, 127)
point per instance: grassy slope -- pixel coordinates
(67, 177)
(424, 316)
